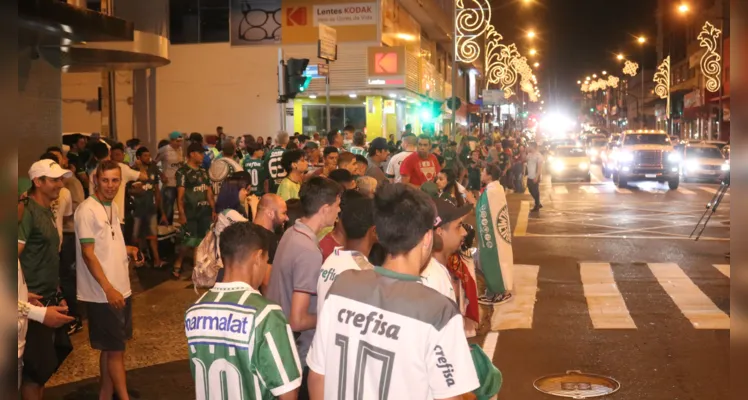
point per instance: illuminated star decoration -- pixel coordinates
(472, 22)
(710, 61)
(630, 68)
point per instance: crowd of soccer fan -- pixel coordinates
(335, 267)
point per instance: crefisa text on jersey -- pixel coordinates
(380, 327)
(446, 368)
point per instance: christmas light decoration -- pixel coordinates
(710, 61)
(494, 70)
(630, 68)
(662, 79)
(472, 21)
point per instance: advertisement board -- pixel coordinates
(353, 22)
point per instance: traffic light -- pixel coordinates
(296, 82)
(431, 110)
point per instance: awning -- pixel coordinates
(57, 18)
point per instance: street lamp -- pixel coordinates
(594, 75)
(641, 39)
(537, 64)
(533, 52)
(620, 57)
(579, 82)
(605, 72)
(531, 35)
(683, 8)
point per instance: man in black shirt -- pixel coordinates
(272, 213)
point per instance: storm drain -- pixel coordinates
(577, 385)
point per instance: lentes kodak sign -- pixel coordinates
(354, 22)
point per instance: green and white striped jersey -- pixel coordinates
(241, 346)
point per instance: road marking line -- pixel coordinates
(517, 313)
(685, 191)
(595, 179)
(605, 303)
(711, 190)
(560, 190)
(626, 237)
(622, 191)
(691, 301)
(589, 189)
(524, 212)
(489, 344)
(723, 268)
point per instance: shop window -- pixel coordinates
(198, 21)
(314, 117)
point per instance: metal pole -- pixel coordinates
(281, 90)
(721, 67)
(641, 102)
(454, 71)
(327, 94)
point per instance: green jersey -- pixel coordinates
(144, 202)
(196, 183)
(257, 174)
(240, 345)
(275, 171)
(360, 151)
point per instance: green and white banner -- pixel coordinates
(494, 236)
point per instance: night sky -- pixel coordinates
(577, 37)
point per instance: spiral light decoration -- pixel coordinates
(472, 22)
(662, 79)
(630, 68)
(509, 76)
(494, 68)
(710, 61)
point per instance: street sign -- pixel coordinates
(323, 69)
(328, 43)
(493, 97)
(453, 103)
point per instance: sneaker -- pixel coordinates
(495, 299)
(75, 326)
(535, 209)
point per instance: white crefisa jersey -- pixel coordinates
(383, 335)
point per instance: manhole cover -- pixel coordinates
(577, 385)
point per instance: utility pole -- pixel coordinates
(282, 90)
(452, 130)
(108, 92)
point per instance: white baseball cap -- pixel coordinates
(49, 169)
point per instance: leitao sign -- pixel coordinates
(385, 66)
(354, 22)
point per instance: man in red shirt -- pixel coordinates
(421, 166)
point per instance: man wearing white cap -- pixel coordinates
(38, 253)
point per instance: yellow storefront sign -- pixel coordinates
(354, 22)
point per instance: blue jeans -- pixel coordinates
(169, 199)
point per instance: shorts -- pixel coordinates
(109, 329)
(195, 229)
(40, 357)
(144, 227)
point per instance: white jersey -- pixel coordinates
(338, 261)
(436, 276)
(393, 167)
(384, 335)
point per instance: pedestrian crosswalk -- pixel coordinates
(561, 190)
(608, 307)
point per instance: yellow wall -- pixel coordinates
(374, 121)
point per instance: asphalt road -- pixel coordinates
(610, 283)
(606, 281)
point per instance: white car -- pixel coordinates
(569, 162)
(703, 161)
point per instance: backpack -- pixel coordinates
(208, 255)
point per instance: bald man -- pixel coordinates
(272, 213)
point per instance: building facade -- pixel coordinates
(393, 61)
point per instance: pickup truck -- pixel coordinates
(645, 155)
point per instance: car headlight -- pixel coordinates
(593, 152)
(725, 167)
(583, 166)
(626, 157)
(673, 157)
(558, 165)
(693, 165)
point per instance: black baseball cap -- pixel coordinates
(379, 143)
(447, 212)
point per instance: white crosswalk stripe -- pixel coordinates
(560, 190)
(604, 300)
(622, 190)
(589, 189)
(685, 191)
(606, 306)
